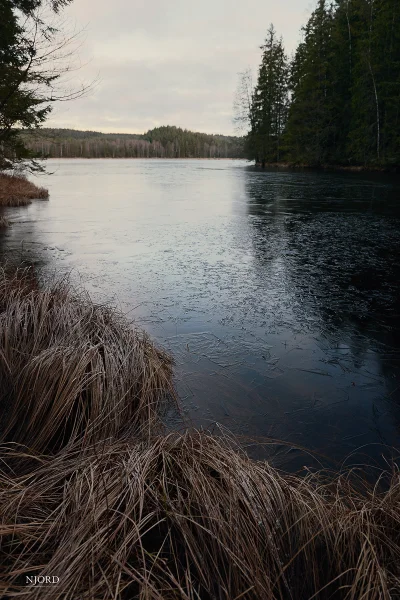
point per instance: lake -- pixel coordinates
(276, 291)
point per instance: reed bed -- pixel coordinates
(19, 191)
(72, 370)
(191, 517)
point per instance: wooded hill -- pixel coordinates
(338, 100)
(161, 142)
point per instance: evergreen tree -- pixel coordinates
(345, 86)
(311, 128)
(374, 134)
(24, 80)
(341, 67)
(269, 103)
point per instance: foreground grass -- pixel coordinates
(103, 498)
(18, 191)
(72, 371)
(189, 516)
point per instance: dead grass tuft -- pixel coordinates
(4, 222)
(71, 369)
(118, 515)
(191, 517)
(19, 191)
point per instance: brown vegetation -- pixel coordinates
(18, 191)
(70, 368)
(119, 509)
(4, 222)
(190, 517)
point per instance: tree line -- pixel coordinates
(337, 100)
(161, 142)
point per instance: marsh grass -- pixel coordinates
(72, 370)
(103, 498)
(191, 517)
(19, 191)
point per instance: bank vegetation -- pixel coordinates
(17, 190)
(95, 491)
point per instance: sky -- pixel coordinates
(168, 62)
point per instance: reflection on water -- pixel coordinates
(277, 292)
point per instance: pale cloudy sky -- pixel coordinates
(169, 62)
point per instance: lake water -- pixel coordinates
(276, 291)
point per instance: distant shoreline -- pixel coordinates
(288, 166)
(137, 158)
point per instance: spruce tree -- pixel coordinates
(270, 102)
(25, 83)
(374, 134)
(344, 89)
(311, 125)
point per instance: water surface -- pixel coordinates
(276, 291)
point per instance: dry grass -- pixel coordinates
(119, 515)
(4, 222)
(191, 517)
(71, 369)
(18, 191)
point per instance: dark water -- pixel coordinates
(277, 292)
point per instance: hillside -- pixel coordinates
(161, 142)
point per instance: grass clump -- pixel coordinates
(191, 517)
(103, 498)
(19, 191)
(4, 222)
(72, 370)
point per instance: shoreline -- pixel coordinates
(334, 168)
(287, 166)
(135, 158)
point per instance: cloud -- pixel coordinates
(170, 62)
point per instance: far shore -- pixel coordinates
(138, 158)
(281, 165)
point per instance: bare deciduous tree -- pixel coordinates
(243, 102)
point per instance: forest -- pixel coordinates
(337, 100)
(161, 142)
